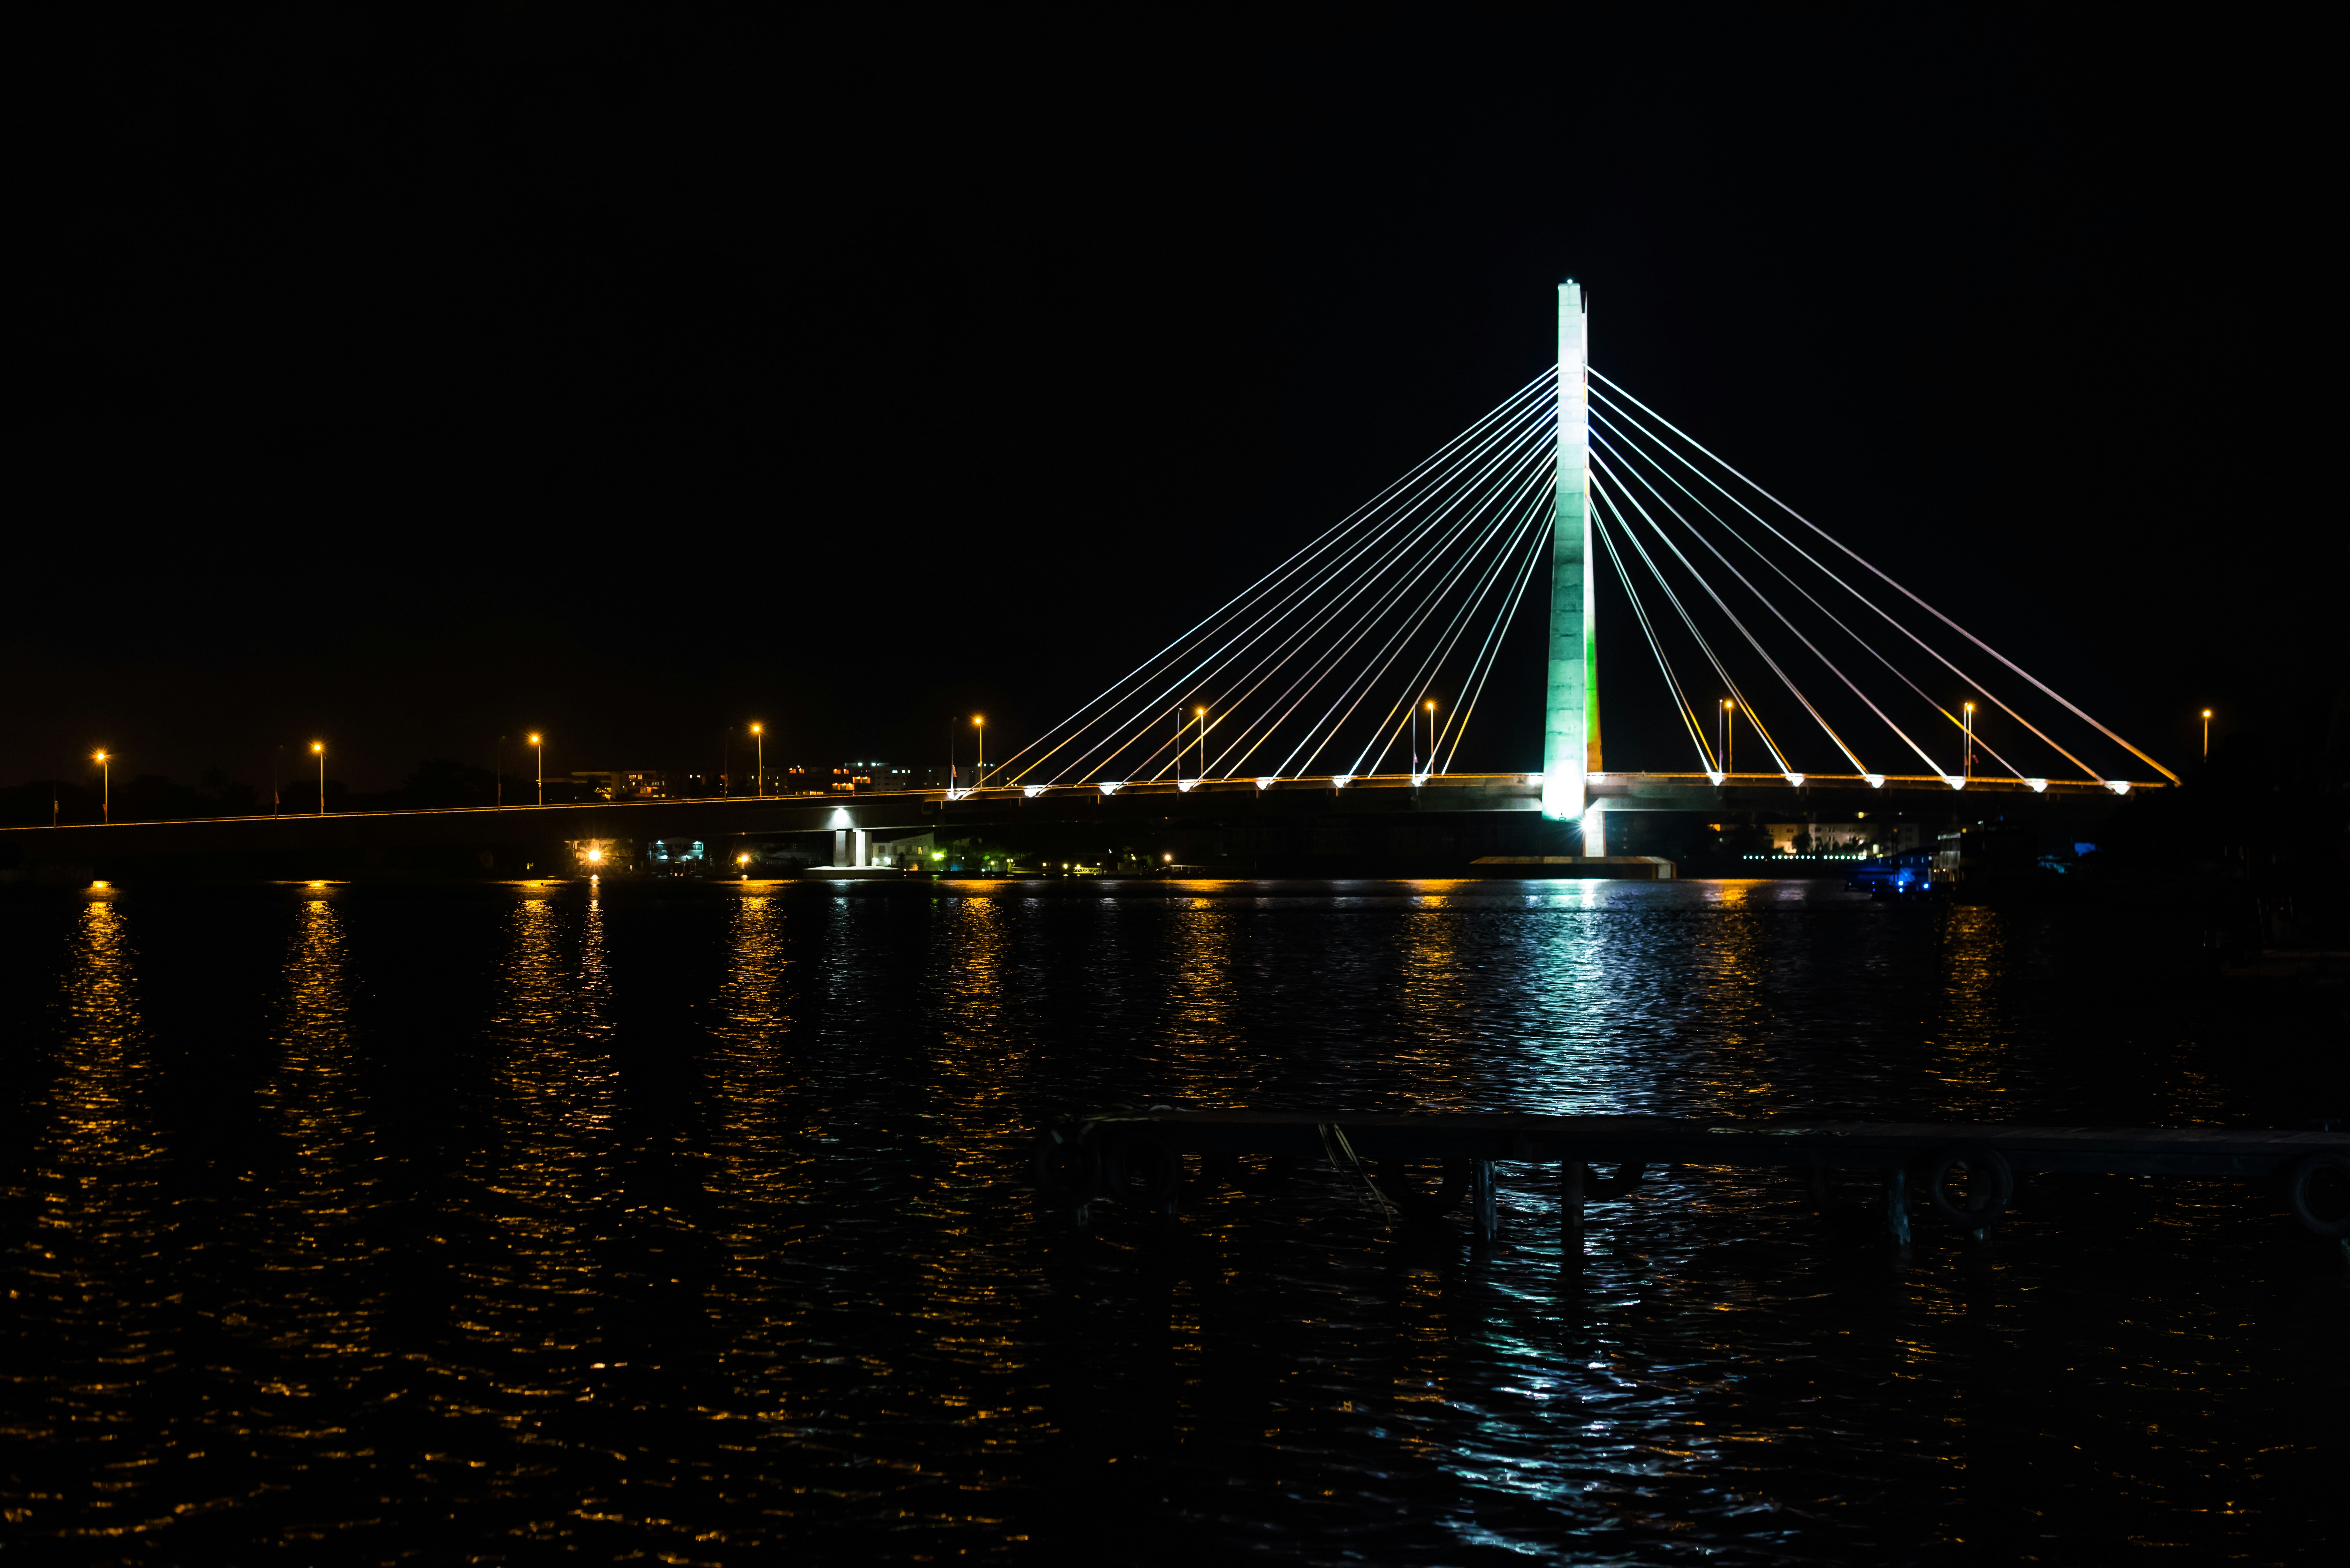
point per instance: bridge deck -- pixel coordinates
(539, 839)
(1490, 792)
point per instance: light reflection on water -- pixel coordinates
(93, 1282)
(313, 1295)
(691, 1226)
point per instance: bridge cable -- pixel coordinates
(1526, 473)
(1265, 622)
(1518, 451)
(1510, 410)
(1698, 501)
(1752, 641)
(1680, 701)
(1529, 462)
(1632, 536)
(1935, 653)
(1512, 431)
(1518, 463)
(1938, 615)
(1858, 765)
(1491, 654)
(1537, 475)
(1450, 638)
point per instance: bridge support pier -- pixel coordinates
(1595, 830)
(849, 847)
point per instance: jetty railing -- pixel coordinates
(1965, 1173)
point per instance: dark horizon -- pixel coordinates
(632, 380)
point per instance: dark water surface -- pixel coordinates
(683, 1224)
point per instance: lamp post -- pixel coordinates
(2207, 733)
(1726, 733)
(319, 748)
(539, 746)
(1429, 708)
(759, 736)
(1202, 715)
(979, 769)
(106, 786)
(1967, 764)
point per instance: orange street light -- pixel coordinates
(537, 746)
(106, 786)
(2207, 732)
(759, 733)
(319, 750)
(979, 769)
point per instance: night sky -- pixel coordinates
(409, 378)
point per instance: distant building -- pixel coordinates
(863, 778)
(1826, 838)
(624, 784)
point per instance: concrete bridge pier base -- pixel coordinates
(1594, 831)
(849, 847)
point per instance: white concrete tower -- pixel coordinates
(1571, 716)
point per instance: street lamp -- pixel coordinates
(537, 746)
(1726, 734)
(1202, 715)
(759, 734)
(1967, 764)
(979, 769)
(106, 786)
(2207, 732)
(319, 748)
(1429, 708)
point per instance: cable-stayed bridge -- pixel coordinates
(1343, 680)
(1363, 658)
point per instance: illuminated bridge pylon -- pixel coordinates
(1367, 653)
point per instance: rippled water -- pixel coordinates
(518, 1224)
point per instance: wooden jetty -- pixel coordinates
(1965, 1173)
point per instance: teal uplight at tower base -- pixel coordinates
(1571, 714)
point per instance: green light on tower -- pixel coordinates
(1571, 715)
